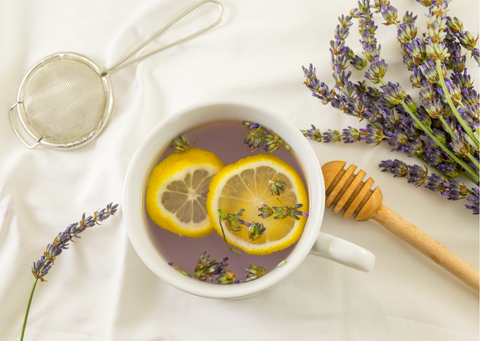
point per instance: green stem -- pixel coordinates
(225, 238)
(28, 309)
(439, 143)
(475, 162)
(448, 129)
(452, 106)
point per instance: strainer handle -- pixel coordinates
(124, 62)
(15, 129)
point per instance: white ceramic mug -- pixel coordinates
(312, 240)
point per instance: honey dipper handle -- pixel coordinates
(428, 246)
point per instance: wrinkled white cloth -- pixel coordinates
(99, 289)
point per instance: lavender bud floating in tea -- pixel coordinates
(41, 268)
(440, 129)
(277, 186)
(260, 137)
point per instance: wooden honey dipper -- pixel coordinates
(346, 190)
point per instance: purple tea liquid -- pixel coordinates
(225, 138)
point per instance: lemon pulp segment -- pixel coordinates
(177, 192)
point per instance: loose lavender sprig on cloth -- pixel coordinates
(41, 268)
(441, 127)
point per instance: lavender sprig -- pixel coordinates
(41, 268)
(181, 145)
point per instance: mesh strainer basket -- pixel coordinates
(66, 100)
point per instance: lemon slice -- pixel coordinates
(177, 192)
(245, 185)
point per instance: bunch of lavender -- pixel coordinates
(60, 243)
(440, 128)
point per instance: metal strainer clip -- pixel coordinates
(66, 100)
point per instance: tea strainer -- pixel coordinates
(66, 100)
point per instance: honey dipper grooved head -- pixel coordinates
(346, 190)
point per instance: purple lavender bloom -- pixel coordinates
(435, 183)
(454, 92)
(331, 136)
(415, 148)
(397, 139)
(473, 197)
(417, 175)
(265, 211)
(372, 134)
(417, 78)
(350, 135)
(430, 72)
(406, 33)
(313, 134)
(466, 39)
(448, 169)
(462, 79)
(396, 167)
(376, 70)
(358, 63)
(455, 190)
(408, 18)
(417, 50)
(61, 242)
(390, 15)
(393, 93)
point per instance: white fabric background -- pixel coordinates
(99, 289)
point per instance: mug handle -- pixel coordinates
(343, 252)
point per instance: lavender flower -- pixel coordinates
(266, 211)
(276, 186)
(227, 277)
(255, 231)
(288, 211)
(254, 272)
(207, 269)
(473, 198)
(182, 145)
(233, 219)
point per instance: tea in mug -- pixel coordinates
(213, 195)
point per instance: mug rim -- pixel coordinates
(146, 157)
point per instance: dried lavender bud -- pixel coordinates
(376, 71)
(182, 145)
(266, 211)
(227, 277)
(272, 142)
(255, 138)
(358, 63)
(396, 167)
(282, 263)
(254, 272)
(408, 18)
(288, 211)
(276, 186)
(206, 269)
(255, 231)
(233, 219)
